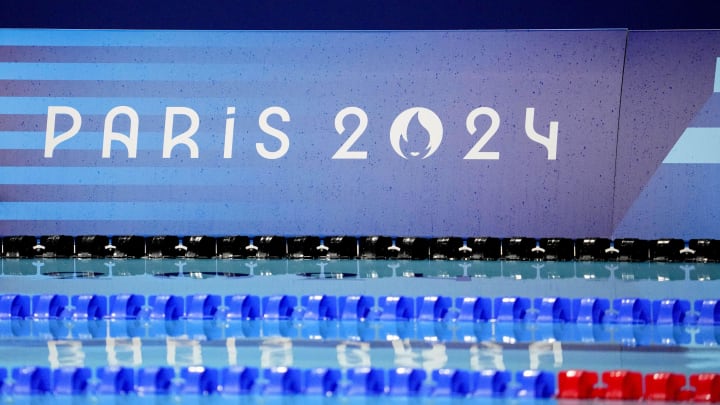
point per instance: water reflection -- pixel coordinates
(364, 269)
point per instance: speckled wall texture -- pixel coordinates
(398, 133)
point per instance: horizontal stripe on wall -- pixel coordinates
(131, 211)
(154, 193)
(156, 38)
(696, 145)
(125, 175)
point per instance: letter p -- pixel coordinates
(52, 141)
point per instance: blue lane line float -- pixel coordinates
(535, 384)
(366, 381)
(202, 306)
(89, 306)
(126, 306)
(396, 308)
(590, 310)
(433, 308)
(323, 381)
(283, 381)
(49, 306)
(454, 383)
(31, 380)
(491, 383)
(670, 311)
(553, 309)
(406, 381)
(709, 311)
(319, 307)
(71, 380)
(511, 309)
(166, 307)
(239, 380)
(199, 380)
(114, 380)
(428, 309)
(155, 380)
(278, 306)
(355, 307)
(242, 307)
(632, 310)
(14, 306)
(474, 309)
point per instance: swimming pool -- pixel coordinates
(301, 340)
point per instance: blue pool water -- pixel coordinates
(299, 342)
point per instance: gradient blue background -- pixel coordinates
(669, 99)
(572, 77)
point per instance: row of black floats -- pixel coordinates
(366, 247)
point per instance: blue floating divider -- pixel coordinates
(535, 384)
(708, 311)
(632, 310)
(490, 383)
(243, 307)
(31, 380)
(126, 306)
(427, 309)
(89, 306)
(366, 381)
(202, 306)
(3, 378)
(433, 308)
(278, 306)
(155, 380)
(14, 306)
(71, 380)
(239, 380)
(670, 311)
(115, 380)
(553, 309)
(322, 381)
(166, 307)
(396, 308)
(511, 309)
(49, 306)
(590, 310)
(406, 381)
(319, 307)
(283, 381)
(199, 380)
(474, 309)
(355, 307)
(455, 383)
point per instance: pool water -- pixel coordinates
(377, 341)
